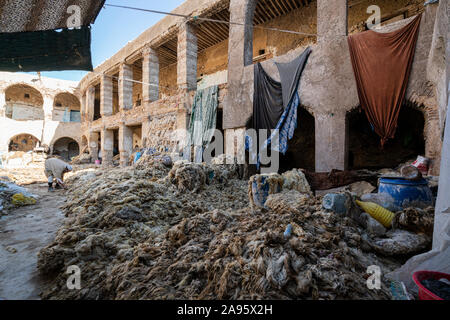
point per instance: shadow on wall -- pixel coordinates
(66, 148)
(364, 143)
(301, 151)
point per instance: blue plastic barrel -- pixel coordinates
(407, 193)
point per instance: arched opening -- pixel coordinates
(66, 148)
(66, 108)
(364, 144)
(23, 142)
(301, 148)
(23, 103)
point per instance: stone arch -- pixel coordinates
(364, 149)
(23, 142)
(66, 148)
(23, 102)
(66, 107)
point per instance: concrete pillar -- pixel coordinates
(90, 103)
(106, 96)
(107, 146)
(187, 58)
(125, 144)
(331, 19)
(235, 143)
(125, 87)
(331, 141)
(150, 75)
(93, 145)
(2, 103)
(48, 107)
(238, 103)
(83, 108)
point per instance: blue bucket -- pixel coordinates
(407, 193)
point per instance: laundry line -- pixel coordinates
(197, 18)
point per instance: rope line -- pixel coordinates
(197, 18)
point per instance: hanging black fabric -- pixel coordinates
(46, 50)
(271, 97)
(290, 74)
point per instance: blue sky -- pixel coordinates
(115, 27)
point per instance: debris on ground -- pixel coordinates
(188, 232)
(83, 158)
(12, 196)
(401, 242)
(416, 220)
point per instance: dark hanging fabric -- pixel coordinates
(69, 49)
(271, 97)
(267, 100)
(275, 104)
(382, 65)
(290, 74)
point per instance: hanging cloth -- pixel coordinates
(275, 103)
(382, 65)
(203, 118)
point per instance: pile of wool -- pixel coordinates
(243, 254)
(111, 212)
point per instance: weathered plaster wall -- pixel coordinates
(43, 91)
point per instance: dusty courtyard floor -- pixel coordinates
(25, 231)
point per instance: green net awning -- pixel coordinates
(49, 50)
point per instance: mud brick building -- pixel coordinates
(37, 111)
(144, 92)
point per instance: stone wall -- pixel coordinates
(41, 94)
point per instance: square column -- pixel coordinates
(106, 96)
(150, 75)
(331, 19)
(48, 107)
(93, 145)
(125, 87)
(125, 144)
(107, 146)
(2, 103)
(331, 141)
(187, 58)
(83, 108)
(238, 103)
(90, 103)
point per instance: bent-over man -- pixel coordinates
(55, 170)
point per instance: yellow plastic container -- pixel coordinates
(377, 212)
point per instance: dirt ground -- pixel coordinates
(23, 233)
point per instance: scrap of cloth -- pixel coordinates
(275, 103)
(48, 50)
(203, 117)
(382, 65)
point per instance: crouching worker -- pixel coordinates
(55, 170)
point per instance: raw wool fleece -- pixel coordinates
(110, 212)
(274, 180)
(137, 236)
